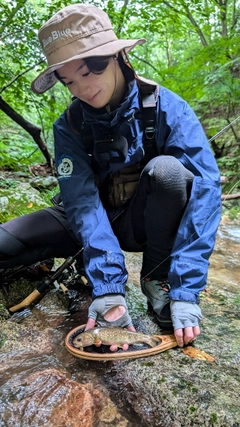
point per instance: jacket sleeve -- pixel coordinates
(105, 267)
(185, 139)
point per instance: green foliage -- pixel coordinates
(192, 48)
(16, 148)
(234, 213)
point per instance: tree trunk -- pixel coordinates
(195, 25)
(186, 12)
(122, 16)
(223, 14)
(33, 130)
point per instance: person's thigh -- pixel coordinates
(38, 228)
(35, 237)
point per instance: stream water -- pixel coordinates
(42, 384)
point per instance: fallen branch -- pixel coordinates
(230, 196)
(33, 130)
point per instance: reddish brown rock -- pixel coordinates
(49, 398)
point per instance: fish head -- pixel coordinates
(83, 340)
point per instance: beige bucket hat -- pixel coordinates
(76, 32)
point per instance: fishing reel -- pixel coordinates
(71, 278)
(64, 275)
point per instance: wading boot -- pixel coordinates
(157, 293)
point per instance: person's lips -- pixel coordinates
(91, 99)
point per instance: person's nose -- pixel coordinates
(83, 89)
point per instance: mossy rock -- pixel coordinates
(22, 199)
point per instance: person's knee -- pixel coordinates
(168, 173)
(10, 245)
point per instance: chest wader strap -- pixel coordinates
(149, 91)
(76, 123)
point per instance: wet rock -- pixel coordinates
(18, 200)
(175, 390)
(4, 314)
(16, 292)
(19, 337)
(49, 397)
(3, 338)
(20, 174)
(3, 203)
(44, 183)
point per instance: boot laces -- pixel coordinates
(163, 284)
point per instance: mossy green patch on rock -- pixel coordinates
(19, 200)
(4, 314)
(3, 338)
(214, 418)
(136, 301)
(19, 290)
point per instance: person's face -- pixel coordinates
(94, 89)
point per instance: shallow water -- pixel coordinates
(37, 374)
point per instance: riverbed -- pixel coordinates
(41, 383)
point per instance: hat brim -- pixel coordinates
(47, 79)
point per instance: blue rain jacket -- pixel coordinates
(178, 134)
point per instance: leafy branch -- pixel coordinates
(33, 130)
(11, 15)
(19, 75)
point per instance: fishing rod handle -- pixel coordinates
(26, 302)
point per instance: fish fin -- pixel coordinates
(97, 341)
(154, 341)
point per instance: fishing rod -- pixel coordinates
(223, 130)
(46, 283)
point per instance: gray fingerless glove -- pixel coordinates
(101, 305)
(185, 314)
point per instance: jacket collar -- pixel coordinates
(126, 109)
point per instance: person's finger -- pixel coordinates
(188, 334)
(90, 324)
(114, 347)
(125, 347)
(131, 328)
(196, 332)
(179, 337)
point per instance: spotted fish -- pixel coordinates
(117, 336)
